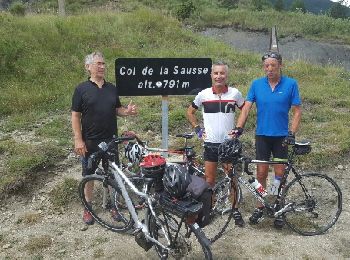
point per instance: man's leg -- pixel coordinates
(210, 172)
(263, 151)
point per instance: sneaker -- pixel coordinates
(87, 218)
(116, 215)
(279, 222)
(237, 216)
(257, 216)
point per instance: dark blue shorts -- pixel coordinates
(92, 147)
(211, 152)
(265, 146)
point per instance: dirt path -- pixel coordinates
(30, 229)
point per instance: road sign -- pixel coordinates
(162, 76)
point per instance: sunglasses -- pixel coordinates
(273, 55)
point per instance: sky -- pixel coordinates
(346, 2)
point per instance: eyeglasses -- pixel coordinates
(99, 64)
(273, 55)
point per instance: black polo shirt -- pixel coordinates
(98, 109)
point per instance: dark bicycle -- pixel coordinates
(221, 211)
(309, 204)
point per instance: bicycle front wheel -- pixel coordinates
(222, 209)
(103, 204)
(182, 243)
(314, 203)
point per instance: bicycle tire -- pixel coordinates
(185, 247)
(222, 210)
(99, 208)
(314, 209)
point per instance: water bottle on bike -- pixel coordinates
(258, 187)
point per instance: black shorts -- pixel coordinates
(211, 152)
(267, 145)
(92, 147)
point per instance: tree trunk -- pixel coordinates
(61, 8)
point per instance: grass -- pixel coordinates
(41, 61)
(64, 193)
(37, 244)
(29, 218)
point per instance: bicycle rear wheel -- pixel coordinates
(105, 202)
(315, 203)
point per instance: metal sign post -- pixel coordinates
(165, 123)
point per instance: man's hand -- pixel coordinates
(131, 109)
(79, 147)
(290, 138)
(236, 132)
(199, 131)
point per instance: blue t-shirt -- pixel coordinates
(273, 106)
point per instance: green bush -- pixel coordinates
(65, 193)
(18, 9)
(185, 10)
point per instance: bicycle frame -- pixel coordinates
(120, 177)
(271, 207)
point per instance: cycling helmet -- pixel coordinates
(134, 152)
(153, 166)
(230, 150)
(176, 179)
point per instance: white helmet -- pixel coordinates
(134, 152)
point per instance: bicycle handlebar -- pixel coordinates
(186, 135)
(104, 148)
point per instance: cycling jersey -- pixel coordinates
(273, 106)
(218, 112)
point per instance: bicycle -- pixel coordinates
(221, 211)
(164, 226)
(309, 204)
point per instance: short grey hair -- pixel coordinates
(220, 63)
(89, 59)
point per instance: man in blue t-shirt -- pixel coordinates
(274, 95)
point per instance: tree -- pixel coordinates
(298, 6)
(259, 5)
(338, 10)
(279, 5)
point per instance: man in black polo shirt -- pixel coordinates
(95, 105)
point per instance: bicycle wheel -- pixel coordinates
(186, 245)
(221, 212)
(105, 200)
(315, 203)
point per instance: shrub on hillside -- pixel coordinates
(18, 9)
(185, 10)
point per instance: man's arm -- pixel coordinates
(79, 144)
(191, 116)
(244, 114)
(296, 110)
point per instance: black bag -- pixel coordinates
(201, 191)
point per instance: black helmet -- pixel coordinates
(176, 179)
(230, 150)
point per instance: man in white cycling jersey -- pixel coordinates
(218, 104)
